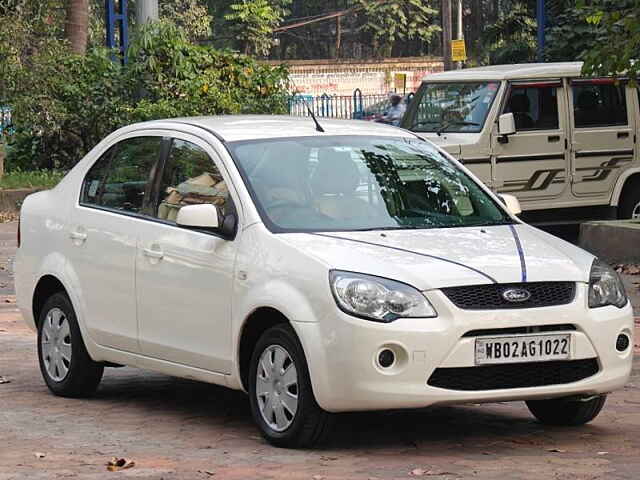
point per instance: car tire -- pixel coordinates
(561, 411)
(273, 394)
(66, 367)
(629, 206)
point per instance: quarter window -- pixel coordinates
(534, 107)
(599, 105)
(120, 179)
(190, 177)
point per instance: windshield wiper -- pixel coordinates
(457, 122)
(397, 227)
(422, 122)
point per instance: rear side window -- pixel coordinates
(599, 105)
(534, 107)
(120, 179)
(190, 177)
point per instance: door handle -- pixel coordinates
(553, 138)
(623, 134)
(79, 236)
(153, 253)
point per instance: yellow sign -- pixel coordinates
(400, 82)
(458, 51)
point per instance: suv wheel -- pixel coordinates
(65, 364)
(630, 202)
(560, 411)
(280, 393)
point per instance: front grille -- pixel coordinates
(489, 297)
(513, 375)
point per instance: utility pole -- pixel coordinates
(460, 35)
(541, 18)
(146, 11)
(446, 33)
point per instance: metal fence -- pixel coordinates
(337, 106)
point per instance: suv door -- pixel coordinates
(103, 235)
(603, 136)
(184, 277)
(533, 162)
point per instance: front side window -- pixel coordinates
(599, 104)
(121, 178)
(190, 177)
(534, 107)
(337, 183)
(451, 107)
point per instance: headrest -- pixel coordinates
(519, 103)
(336, 173)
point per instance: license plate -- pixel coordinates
(530, 348)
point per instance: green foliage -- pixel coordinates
(512, 38)
(19, 178)
(569, 36)
(63, 104)
(253, 22)
(390, 21)
(617, 40)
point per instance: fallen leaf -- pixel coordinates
(207, 472)
(116, 464)
(4, 380)
(556, 450)
(39, 454)
(417, 472)
(326, 457)
(603, 453)
(434, 473)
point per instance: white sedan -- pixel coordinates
(351, 266)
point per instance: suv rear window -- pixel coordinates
(599, 104)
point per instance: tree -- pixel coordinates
(512, 38)
(393, 20)
(77, 25)
(617, 45)
(253, 22)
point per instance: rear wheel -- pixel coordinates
(561, 411)
(280, 393)
(630, 202)
(65, 364)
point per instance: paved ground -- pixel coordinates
(177, 429)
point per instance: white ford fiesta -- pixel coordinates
(348, 266)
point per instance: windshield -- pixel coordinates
(451, 107)
(336, 183)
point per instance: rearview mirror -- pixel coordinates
(506, 126)
(203, 215)
(512, 204)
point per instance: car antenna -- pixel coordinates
(309, 109)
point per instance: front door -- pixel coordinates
(533, 163)
(603, 136)
(103, 237)
(184, 277)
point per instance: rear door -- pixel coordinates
(603, 136)
(103, 237)
(533, 163)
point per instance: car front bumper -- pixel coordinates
(342, 350)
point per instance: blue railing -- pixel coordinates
(338, 106)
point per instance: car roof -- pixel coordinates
(231, 128)
(510, 72)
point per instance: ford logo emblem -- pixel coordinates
(516, 295)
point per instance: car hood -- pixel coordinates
(438, 258)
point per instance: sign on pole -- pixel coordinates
(458, 51)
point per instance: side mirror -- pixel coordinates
(506, 127)
(203, 215)
(512, 203)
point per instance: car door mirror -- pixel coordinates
(506, 127)
(203, 215)
(512, 204)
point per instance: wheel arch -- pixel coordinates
(46, 286)
(626, 179)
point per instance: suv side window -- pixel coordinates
(121, 178)
(190, 177)
(534, 107)
(599, 104)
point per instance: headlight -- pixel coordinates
(378, 298)
(605, 286)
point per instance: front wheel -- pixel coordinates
(280, 393)
(65, 364)
(568, 412)
(629, 207)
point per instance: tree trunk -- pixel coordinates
(77, 25)
(446, 34)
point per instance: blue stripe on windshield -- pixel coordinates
(523, 265)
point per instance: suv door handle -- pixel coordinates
(76, 235)
(553, 138)
(623, 134)
(153, 253)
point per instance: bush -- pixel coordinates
(64, 104)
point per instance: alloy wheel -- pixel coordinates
(56, 344)
(277, 388)
(635, 213)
